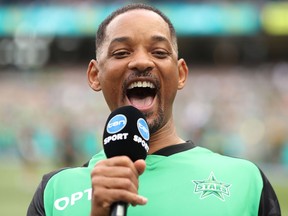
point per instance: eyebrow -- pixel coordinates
(120, 40)
(159, 38)
(125, 39)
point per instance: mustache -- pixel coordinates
(142, 73)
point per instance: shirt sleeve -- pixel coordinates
(269, 205)
(36, 207)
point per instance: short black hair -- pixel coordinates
(100, 35)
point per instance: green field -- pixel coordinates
(282, 193)
(18, 184)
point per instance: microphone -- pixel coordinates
(126, 133)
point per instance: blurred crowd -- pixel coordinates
(75, 1)
(51, 115)
(242, 112)
(48, 116)
(113, 1)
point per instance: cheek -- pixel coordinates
(111, 84)
(170, 80)
(170, 86)
(111, 76)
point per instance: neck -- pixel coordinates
(166, 136)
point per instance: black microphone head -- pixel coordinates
(126, 133)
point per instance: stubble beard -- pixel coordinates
(156, 121)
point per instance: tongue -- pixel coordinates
(141, 102)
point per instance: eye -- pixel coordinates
(119, 54)
(160, 53)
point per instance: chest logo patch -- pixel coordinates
(211, 187)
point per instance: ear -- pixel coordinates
(92, 75)
(183, 73)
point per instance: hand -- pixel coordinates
(114, 180)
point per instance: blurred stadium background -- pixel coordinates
(235, 102)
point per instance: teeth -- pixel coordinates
(139, 84)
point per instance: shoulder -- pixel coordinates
(36, 206)
(210, 158)
(248, 173)
(57, 179)
(269, 204)
(70, 172)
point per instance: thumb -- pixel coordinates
(140, 166)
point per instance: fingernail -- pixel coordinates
(144, 200)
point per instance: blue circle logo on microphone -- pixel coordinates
(116, 124)
(143, 128)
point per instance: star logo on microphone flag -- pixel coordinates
(211, 187)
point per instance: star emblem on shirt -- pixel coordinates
(212, 187)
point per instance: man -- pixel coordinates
(137, 64)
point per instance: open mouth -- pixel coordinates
(141, 94)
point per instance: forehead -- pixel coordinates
(137, 22)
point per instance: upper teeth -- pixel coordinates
(143, 84)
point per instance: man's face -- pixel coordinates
(137, 65)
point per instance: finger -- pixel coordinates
(116, 171)
(115, 195)
(121, 174)
(116, 161)
(140, 165)
(119, 161)
(115, 183)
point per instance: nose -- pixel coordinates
(141, 62)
